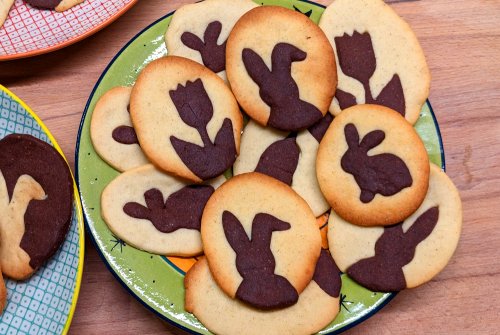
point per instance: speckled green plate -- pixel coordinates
(157, 281)
(44, 303)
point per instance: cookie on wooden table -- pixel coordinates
(261, 240)
(36, 202)
(187, 120)
(281, 68)
(199, 31)
(372, 166)
(288, 157)
(317, 305)
(379, 58)
(112, 133)
(155, 212)
(407, 254)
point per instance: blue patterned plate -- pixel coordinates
(43, 304)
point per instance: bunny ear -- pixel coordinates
(351, 136)
(422, 227)
(136, 210)
(235, 234)
(255, 66)
(372, 139)
(263, 226)
(212, 32)
(192, 41)
(154, 198)
(283, 55)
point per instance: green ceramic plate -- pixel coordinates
(44, 303)
(157, 281)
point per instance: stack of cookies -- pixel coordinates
(329, 111)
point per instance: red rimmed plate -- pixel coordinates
(29, 31)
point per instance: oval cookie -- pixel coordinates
(288, 157)
(36, 202)
(372, 166)
(199, 31)
(261, 240)
(287, 79)
(405, 255)
(379, 58)
(112, 133)
(155, 212)
(187, 120)
(317, 305)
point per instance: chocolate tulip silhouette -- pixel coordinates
(212, 54)
(357, 60)
(279, 90)
(255, 262)
(386, 174)
(196, 110)
(393, 250)
(125, 134)
(182, 209)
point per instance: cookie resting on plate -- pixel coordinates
(379, 59)
(156, 212)
(286, 80)
(199, 31)
(261, 240)
(36, 199)
(317, 305)
(187, 120)
(288, 157)
(407, 254)
(372, 166)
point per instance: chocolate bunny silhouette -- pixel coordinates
(255, 262)
(386, 173)
(393, 250)
(279, 90)
(182, 209)
(212, 54)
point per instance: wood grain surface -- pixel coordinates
(461, 39)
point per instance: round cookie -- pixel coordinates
(405, 255)
(379, 58)
(288, 157)
(372, 166)
(317, 305)
(112, 133)
(187, 120)
(199, 31)
(36, 202)
(261, 240)
(155, 212)
(287, 79)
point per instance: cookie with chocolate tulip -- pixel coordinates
(36, 202)
(317, 305)
(187, 120)
(155, 212)
(379, 58)
(261, 240)
(112, 133)
(407, 254)
(288, 157)
(287, 79)
(372, 166)
(199, 31)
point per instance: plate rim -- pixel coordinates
(90, 231)
(78, 206)
(72, 40)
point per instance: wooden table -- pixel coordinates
(461, 40)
